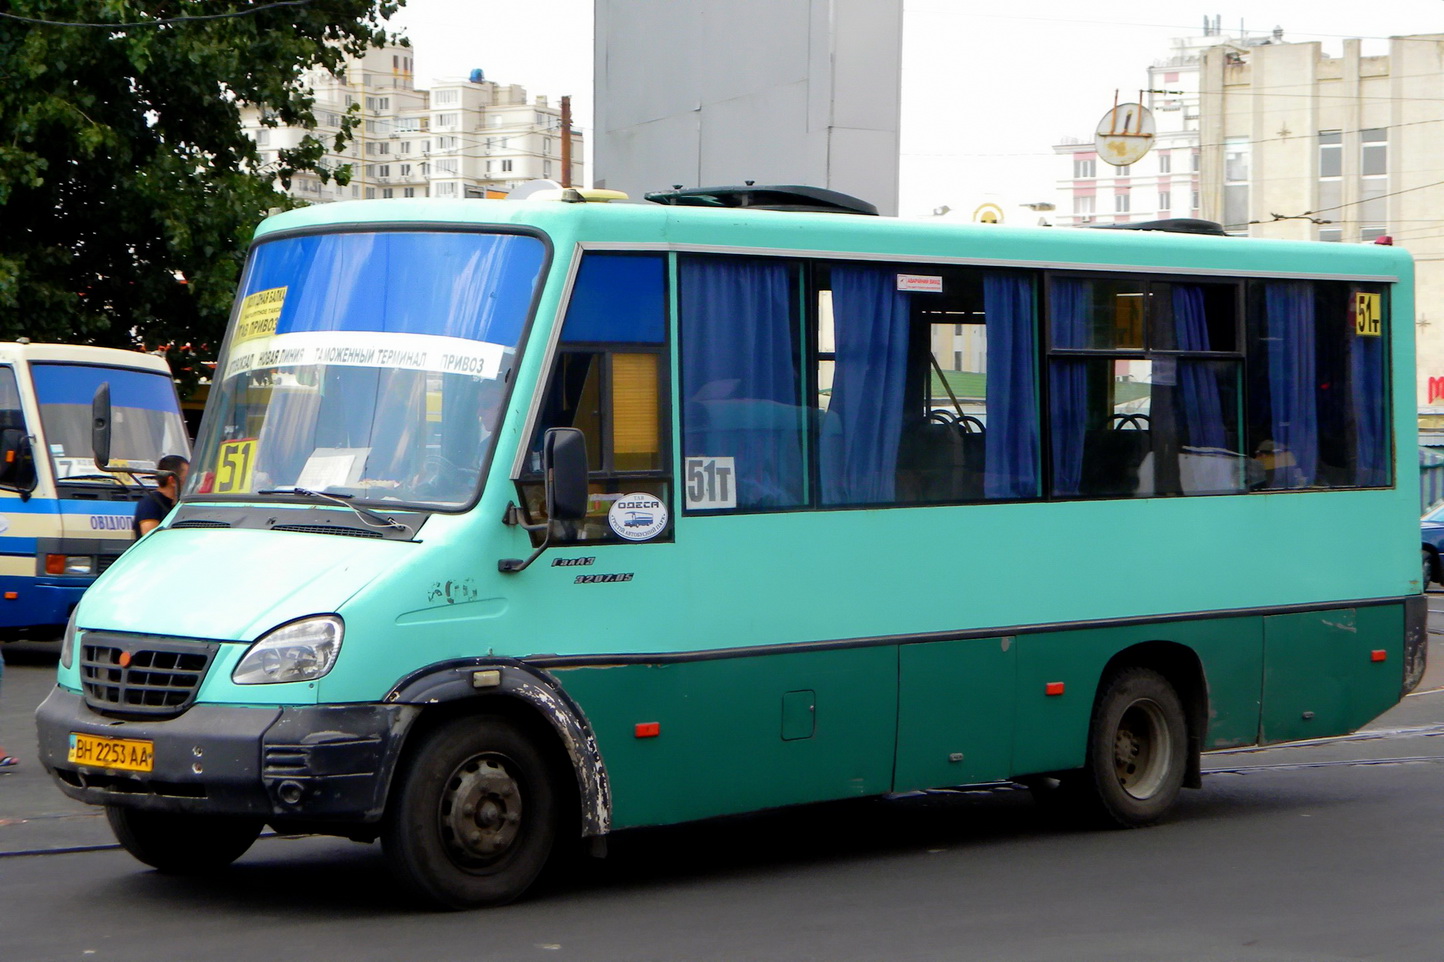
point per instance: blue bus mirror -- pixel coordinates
(17, 462)
(100, 425)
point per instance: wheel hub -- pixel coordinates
(1141, 749)
(481, 811)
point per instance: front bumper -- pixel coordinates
(305, 764)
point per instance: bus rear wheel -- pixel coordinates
(1137, 750)
(474, 817)
(182, 844)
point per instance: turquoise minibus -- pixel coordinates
(513, 524)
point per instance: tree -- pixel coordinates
(128, 189)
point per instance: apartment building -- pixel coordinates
(1302, 145)
(470, 137)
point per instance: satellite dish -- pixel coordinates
(523, 191)
(1124, 134)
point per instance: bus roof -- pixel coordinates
(659, 227)
(16, 351)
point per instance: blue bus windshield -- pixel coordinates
(146, 422)
(371, 364)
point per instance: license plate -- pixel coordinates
(125, 754)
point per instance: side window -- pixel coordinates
(744, 419)
(10, 414)
(609, 380)
(927, 385)
(1144, 388)
(1319, 407)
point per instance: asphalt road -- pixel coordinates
(1313, 853)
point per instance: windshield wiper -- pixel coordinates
(365, 514)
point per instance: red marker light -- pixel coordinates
(648, 729)
(1053, 688)
(1378, 655)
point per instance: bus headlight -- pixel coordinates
(300, 651)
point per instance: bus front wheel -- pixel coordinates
(1137, 750)
(473, 819)
(182, 844)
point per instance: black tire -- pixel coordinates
(181, 844)
(473, 817)
(1137, 751)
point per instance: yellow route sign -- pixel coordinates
(1368, 314)
(259, 313)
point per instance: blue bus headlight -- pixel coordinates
(300, 651)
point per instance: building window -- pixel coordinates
(1123, 171)
(1235, 184)
(384, 170)
(446, 120)
(1083, 207)
(1084, 167)
(445, 143)
(387, 193)
(378, 103)
(1331, 170)
(546, 168)
(447, 189)
(505, 166)
(263, 137)
(405, 147)
(1121, 202)
(1165, 200)
(408, 192)
(444, 97)
(370, 193)
(1374, 174)
(1165, 162)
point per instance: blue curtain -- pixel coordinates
(1293, 381)
(1012, 399)
(859, 450)
(1203, 425)
(1371, 409)
(1068, 399)
(740, 384)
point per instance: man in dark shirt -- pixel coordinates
(152, 509)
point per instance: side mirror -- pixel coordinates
(565, 464)
(17, 462)
(100, 425)
(100, 416)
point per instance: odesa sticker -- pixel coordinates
(637, 517)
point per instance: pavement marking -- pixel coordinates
(1342, 763)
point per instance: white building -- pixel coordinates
(469, 137)
(1349, 148)
(769, 91)
(1164, 183)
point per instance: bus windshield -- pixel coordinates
(146, 422)
(370, 365)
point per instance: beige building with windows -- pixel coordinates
(1301, 145)
(469, 137)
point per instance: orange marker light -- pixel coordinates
(1378, 655)
(648, 729)
(1053, 688)
(11, 595)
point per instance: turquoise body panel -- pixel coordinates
(894, 703)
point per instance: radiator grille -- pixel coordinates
(142, 676)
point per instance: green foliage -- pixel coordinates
(123, 164)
